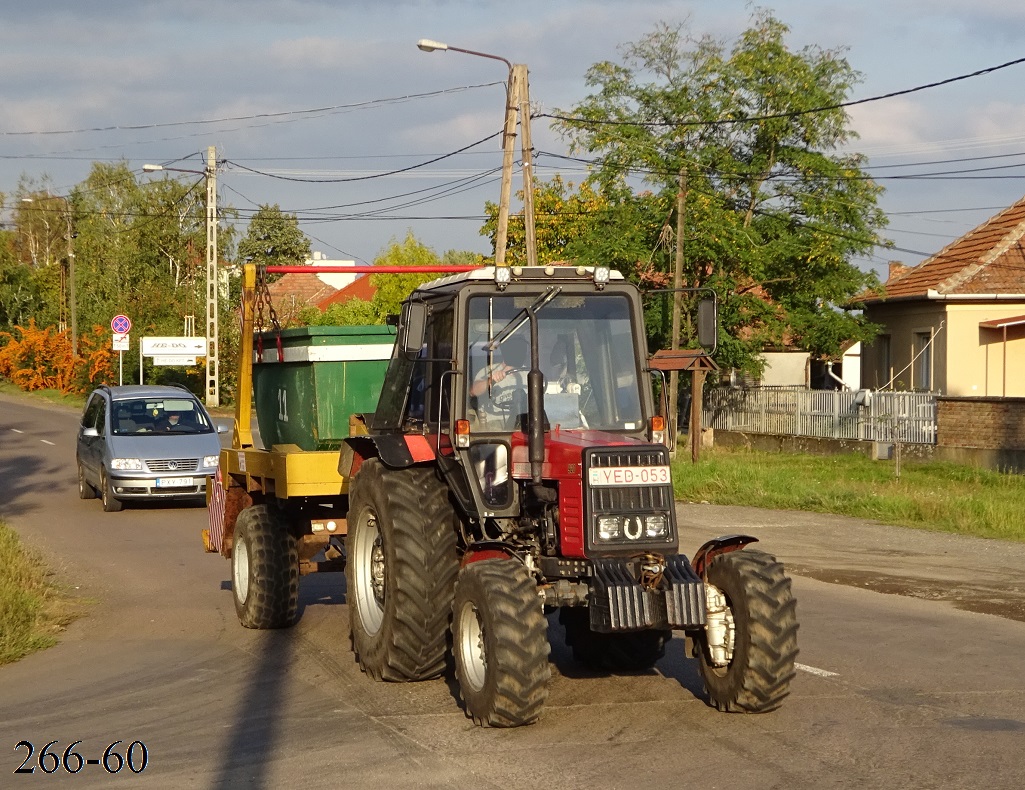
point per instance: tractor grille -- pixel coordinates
(173, 465)
(629, 498)
(628, 505)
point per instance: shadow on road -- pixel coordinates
(18, 469)
(250, 748)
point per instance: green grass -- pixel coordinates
(33, 609)
(939, 496)
(50, 396)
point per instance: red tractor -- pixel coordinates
(516, 464)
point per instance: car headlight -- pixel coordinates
(209, 460)
(126, 464)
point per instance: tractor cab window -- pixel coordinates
(428, 387)
(585, 350)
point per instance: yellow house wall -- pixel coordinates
(966, 361)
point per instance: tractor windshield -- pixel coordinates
(586, 353)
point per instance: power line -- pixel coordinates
(257, 116)
(790, 114)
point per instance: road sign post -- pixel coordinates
(121, 325)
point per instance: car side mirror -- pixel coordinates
(222, 428)
(90, 432)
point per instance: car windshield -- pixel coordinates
(158, 416)
(586, 353)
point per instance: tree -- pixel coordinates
(392, 289)
(274, 238)
(747, 141)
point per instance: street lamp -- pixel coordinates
(71, 269)
(517, 102)
(213, 394)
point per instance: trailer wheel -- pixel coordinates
(111, 504)
(400, 570)
(264, 570)
(500, 643)
(85, 491)
(749, 668)
(625, 651)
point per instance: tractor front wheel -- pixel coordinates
(747, 651)
(500, 643)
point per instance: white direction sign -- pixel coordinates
(168, 359)
(120, 342)
(174, 346)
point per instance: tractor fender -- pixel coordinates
(716, 546)
(396, 450)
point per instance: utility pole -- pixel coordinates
(213, 393)
(527, 155)
(674, 376)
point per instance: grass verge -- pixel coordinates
(50, 396)
(33, 609)
(939, 496)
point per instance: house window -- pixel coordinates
(923, 361)
(881, 345)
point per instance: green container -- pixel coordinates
(328, 373)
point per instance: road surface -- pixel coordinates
(911, 674)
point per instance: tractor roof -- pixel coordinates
(519, 274)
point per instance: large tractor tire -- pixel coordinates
(264, 569)
(756, 663)
(400, 571)
(500, 643)
(626, 651)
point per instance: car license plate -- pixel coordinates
(629, 476)
(174, 482)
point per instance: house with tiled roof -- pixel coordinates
(955, 323)
(294, 291)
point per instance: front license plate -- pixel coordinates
(174, 482)
(629, 476)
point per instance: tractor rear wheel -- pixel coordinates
(750, 668)
(400, 570)
(500, 643)
(625, 651)
(264, 570)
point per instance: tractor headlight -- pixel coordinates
(610, 527)
(656, 526)
(126, 464)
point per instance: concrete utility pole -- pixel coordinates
(213, 392)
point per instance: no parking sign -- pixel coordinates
(121, 325)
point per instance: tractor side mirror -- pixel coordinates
(416, 327)
(708, 323)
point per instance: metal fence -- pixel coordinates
(906, 417)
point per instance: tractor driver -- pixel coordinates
(500, 388)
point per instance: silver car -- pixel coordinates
(138, 442)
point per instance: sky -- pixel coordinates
(312, 105)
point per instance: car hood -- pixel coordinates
(164, 445)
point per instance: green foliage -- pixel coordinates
(392, 289)
(274, 238)
(355, 312)
(773, 214)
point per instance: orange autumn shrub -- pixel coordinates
(34, 358)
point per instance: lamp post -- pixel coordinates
(213, 394)
(71, 269)
(517, 102)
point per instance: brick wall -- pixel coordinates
(983, 423)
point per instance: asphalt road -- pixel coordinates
(911, 673)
